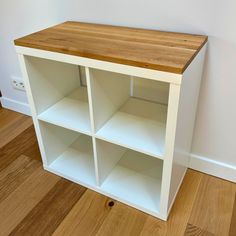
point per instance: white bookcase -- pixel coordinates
(120, 130)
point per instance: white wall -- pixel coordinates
(18, 18)
(215, 130)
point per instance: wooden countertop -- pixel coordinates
(164, 51)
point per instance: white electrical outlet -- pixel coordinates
(18, 83)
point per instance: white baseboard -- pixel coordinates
(212, 167)
(15, 105)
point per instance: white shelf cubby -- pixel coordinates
(130, 176)
(59, 93)
(125, 116)
(68, 153)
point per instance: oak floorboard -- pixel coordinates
(15, 174)
(45, 217)
(232, 231)
(212, 210)
(123, 220)
(193, 230)
(33, 152)
(12, 124)
(21, 201)
(86, 216)
(18, 146)
(181, 211)
(7, 117)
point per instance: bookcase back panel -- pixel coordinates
(151, 90)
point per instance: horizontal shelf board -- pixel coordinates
(77, 162)
(71, 112)
(138, 125)
(136, 181)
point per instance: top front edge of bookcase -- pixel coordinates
(158, 50)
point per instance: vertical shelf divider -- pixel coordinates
(91, 112)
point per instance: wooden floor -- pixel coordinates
(36, 202)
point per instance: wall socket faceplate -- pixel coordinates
(17, 83)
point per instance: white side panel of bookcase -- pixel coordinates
(185, 122)
(32, 107)
(173, 103)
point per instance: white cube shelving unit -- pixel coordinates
(120, 130)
